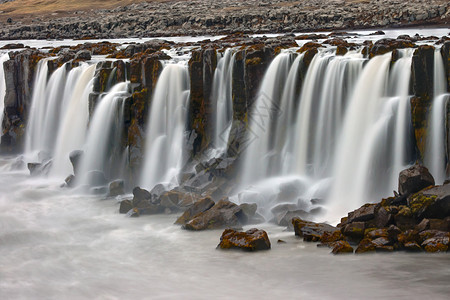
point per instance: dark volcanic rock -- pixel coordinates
(311, 231)
(200, 206)
(414, 179)
(250, 240)
(223, 214)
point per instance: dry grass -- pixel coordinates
(28, 9)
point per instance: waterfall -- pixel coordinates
(222, 95)
(104, 139)
(375, 134)
(3, 58)
(37, 138)
(166, 127)
(327, 85)
(260, 154)
(74, 118)
(435, 155)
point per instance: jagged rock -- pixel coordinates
(414, 179)
(223, 214)
(251, 240)
(141, 195)
(341, 247)
(200, 206)
(116, 188)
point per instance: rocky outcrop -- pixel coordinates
(250, 240)
(19, 79)
(417, 220)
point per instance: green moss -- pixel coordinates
(418, 202)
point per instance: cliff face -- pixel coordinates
(252, 57)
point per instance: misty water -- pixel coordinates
(57, 245)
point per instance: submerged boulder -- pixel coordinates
(250, 240)
(116, 188)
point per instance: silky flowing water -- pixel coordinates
(57, 245)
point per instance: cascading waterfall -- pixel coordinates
(166, 127)
(376, 125)
(323, 100)
(104, 139)
(222, 94)
(74, 119)
(435, 156)
(260, 155)
(41, 125)
(3, 58)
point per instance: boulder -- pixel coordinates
(200, 206)
(341, 247)
(285, 218)
(141, 195)
(223, 214)
(250, 240)
(414, 179)
(364, 213)
(436, 244)
(432, 203)
(354, 231)
(83, 55)
(116, 188)
(310, 231)
(125, 206)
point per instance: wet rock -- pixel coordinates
(83, 55)
(125, 206)
(310, 231)
(341, 247)
(141, 195)
(436, 244)
(285, 218)
(365, 246)
(408, 236)
(412, 247)
(200, 206)
(37, 169)
(354, 231)
(423, 225)
(96, 178)
(365, 213)
(75, 158)
(116, 188)
(414, 179)
(382, 244)
(433, 203)
(223, 214)
(251, 240)
(328, 238)
(70, 181)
